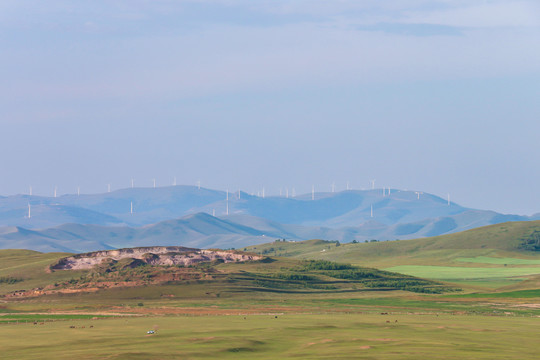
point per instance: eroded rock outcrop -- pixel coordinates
(155, 255)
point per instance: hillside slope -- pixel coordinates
(495, 256)
(229, 271)
(505, 237)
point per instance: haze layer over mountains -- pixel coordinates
(183, 215)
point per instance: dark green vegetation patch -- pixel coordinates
(532, 242)
(9, 280)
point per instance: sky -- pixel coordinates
(437, 96)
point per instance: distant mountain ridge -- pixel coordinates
(152, 205)
(205, 231)
(180, 215)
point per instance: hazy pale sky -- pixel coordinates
(440, 96)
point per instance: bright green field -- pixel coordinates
(499, 261)
(320, 336)
(455, 273)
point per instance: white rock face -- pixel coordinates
(155, 255)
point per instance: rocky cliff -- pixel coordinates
(155, 255)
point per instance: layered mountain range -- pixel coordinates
(205, 218)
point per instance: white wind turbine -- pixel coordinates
(372, 184)
(227, 199)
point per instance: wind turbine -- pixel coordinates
(55, 189)
(312, 192)
(78, 191)
(348, 188)
(372, 184)
(448, 199)
(371, 210)
(199, 184)
(29, 211)
(174, 181)
(132, 183)
(418, 193)
(263, 192)
(333, 187)
(154, 183)
(108, 187)
(132, 207)
(30, 190)
(227, 212)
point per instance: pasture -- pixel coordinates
(270, 336)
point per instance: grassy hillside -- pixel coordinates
(493, 256)
(25, 270)
(282, 306)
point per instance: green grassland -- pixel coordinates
(304, 336)
(490, 257)
(26, 269)
(499, 261)
(289, 306)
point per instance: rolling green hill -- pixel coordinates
(492, 256)
(28, 274)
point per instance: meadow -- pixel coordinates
(269, 336)
(486, 304)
